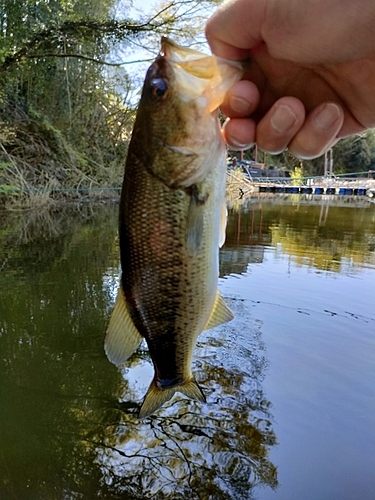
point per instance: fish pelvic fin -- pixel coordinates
(122, 337)
(156, 397)
(220, 314)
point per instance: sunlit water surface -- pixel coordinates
(290, 382)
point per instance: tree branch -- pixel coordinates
(82, 29)
(87, 58)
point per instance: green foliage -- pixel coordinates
(352, 154)
(5, 189)
(297, 176)
(4, 164)
(60, 116)
(355, 154)
(66, 110)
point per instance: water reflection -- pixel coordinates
(294, 225)
(217, 450)
(53, 376)
(68, 426)
(67, 420)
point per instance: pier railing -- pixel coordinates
(343, 184)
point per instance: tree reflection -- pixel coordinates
(218, 450)
(295, 225)
(53, 311)
(68, 426)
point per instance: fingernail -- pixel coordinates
(233, 143)
(240, 105)
(283, 118)
(238, 146)
(328, 115)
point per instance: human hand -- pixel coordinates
(312, 73)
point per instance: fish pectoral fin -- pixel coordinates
(223, 224)
(122, 337)
(220, 314)
(194, 228)
(195, 220)
(156, 397)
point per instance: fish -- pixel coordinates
(172, 220)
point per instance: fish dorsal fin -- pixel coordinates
(220, 313)
(156, 397)
(223, 224)
(122, 337)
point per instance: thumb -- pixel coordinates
(235, 28)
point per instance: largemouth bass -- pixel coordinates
(172, 220)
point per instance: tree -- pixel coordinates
(353, 154)
(66, 106)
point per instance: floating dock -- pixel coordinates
(343, 186)
(348, 191)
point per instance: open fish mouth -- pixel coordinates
(199, 74)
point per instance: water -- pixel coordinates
(290, 383)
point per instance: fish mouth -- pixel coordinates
(193, 62)
(199, 75)
(169, 48)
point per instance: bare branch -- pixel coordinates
(81, 29)
(87, 58)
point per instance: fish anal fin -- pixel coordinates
(122, 337)
(220, 314)
(156, 397)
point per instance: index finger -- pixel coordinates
(235, 28)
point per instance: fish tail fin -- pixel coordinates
(156, 397)
(191, 389)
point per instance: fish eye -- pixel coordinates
(159, 88)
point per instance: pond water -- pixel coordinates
(290, 382)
